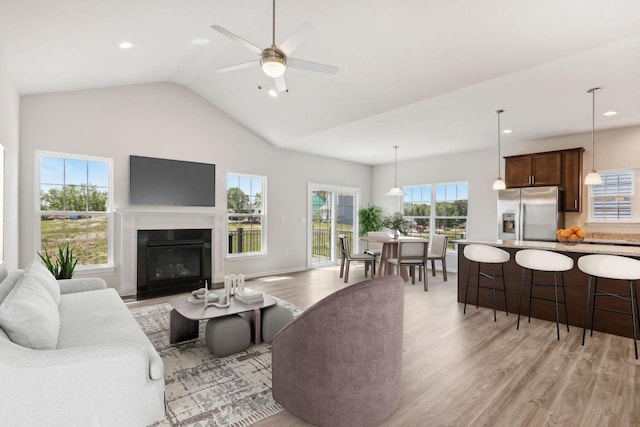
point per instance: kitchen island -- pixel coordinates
(575, 283)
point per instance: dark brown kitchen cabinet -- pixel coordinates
(572, 179)
(534, 170)
(563, 168)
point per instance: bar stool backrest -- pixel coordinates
(536, 259)
(610, 266)
(486, 254)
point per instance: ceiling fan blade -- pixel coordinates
(238, 66)
(248, 45)
(281, 83)
(295, 39)
(311, 66)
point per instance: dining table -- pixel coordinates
(389, 250)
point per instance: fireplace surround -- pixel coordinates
(172, 261)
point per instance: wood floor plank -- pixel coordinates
(467, 370)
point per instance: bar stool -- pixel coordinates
(544, 261)
(617, 268)
(484, 254)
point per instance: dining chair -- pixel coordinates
(412, 253)
(348, 257)
(438, 251)
(375, 248)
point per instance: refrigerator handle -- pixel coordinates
(521, 224)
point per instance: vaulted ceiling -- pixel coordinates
(422, 74)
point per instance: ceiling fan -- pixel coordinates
(275, 59)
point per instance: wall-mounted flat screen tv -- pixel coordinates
(155, 181)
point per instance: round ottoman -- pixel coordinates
(227, 335)
(274, 318)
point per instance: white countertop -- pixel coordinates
(585, 248)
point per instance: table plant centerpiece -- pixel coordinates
(395, 223)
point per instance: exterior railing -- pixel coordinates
(242, 241)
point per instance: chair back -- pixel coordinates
(376, 246)
(439, 245)
(412, 250)
(345, 247)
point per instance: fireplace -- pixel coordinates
(172, 261)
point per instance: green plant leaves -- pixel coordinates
(61, 265)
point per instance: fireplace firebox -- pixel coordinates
(172, 261)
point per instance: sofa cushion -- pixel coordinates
(29, 315)
(43, 276)
(100, 317)
(3, 272)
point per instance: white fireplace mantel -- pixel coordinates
(130, 220)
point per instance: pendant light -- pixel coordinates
(593, 177)
(499, 183)
(395, 191)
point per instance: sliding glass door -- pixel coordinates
(332, 211)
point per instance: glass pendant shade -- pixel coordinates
(499, 184)
(395, 191)
(593, 178)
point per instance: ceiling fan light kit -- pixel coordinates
(273, 62)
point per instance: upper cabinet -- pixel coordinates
(572, 179)
(563, 168)
(534, 170)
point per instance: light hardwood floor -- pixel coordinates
(461, 370)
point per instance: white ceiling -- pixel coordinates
(426, 75)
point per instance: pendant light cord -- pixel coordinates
(498, 112)
(593, 128)
(395, 167)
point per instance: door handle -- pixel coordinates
(533, 179)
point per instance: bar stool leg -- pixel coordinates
(564, 298)
(466, 292)
(555, 289)
(633, 317)
(520, 303)
(478, 287)
(493, 274)
(504, 289)
(593, 308)
(586, 310)
(530, 295)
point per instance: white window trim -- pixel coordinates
(618, 223)
(432, 216)
(263, 244)
(109, 266)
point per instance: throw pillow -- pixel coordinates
(29, 315)
(9, 283)
(43, 276)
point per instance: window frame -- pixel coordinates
(263, 218)
(635, 201)
(433, 217)
(108, 213)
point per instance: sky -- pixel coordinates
(57, 171)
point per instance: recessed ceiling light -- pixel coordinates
(507, 131)
(125, 45)
(273, 93)
(610, 113)
(199, 42)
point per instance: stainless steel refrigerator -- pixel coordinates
(532, 213)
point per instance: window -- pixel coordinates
(449, 216)
(74, 206)
(612, 201)
(246, 207)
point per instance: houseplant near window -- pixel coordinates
(370, 219)
(62, 264)
(396, 223)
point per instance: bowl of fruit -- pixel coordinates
(571, 236)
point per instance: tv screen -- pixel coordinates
(171, 182)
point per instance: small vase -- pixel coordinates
(393, 234)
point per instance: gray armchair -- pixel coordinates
(338, 364)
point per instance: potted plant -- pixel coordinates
(396, 223)
(370, 219)
(62, 264)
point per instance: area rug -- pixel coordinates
(202, 390)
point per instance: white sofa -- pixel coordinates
(100, 369)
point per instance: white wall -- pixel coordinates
(169, 121)
(9, 119)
